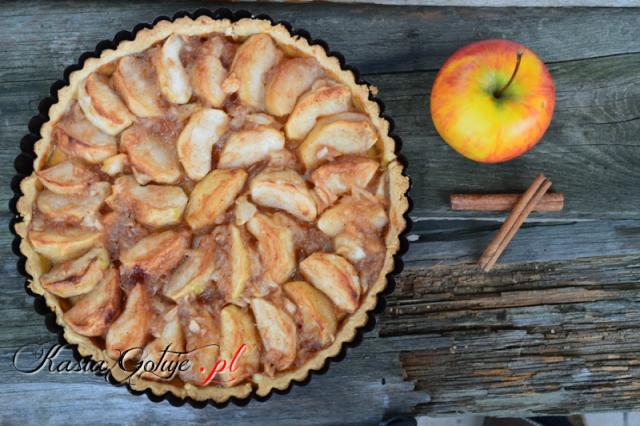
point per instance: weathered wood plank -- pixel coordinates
(590, 152)
(490, 3)
(471, 340)
(591, 147)
(369, 389)
(552, 337)
(460, 241)
(372, 38)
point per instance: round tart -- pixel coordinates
(216, 195)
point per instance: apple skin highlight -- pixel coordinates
(476, 123)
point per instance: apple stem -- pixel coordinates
(499, 92)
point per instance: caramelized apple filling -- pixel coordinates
(216, 196)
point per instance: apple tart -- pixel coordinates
(215, 192)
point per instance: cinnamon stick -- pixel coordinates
(514, 221)
(503, 202)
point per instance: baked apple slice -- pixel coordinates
(278, 333)
(360, 210)
(240, 264)
(325, 98)
(171, 340)
(73, 207)
(132, 328)
(239, 344)
(244, 210)
(151, 158)
(335, 277)
(357, 246)
(212, 196)
(232, 260)
(341, 176)
(67, 177)
(77, 276)
(102, 106)
(257, 119)
(336, 135)
(209, 73)
(136, 82)
(316, 318)
(275, 246)
(290, 79)
(253, 60)
(202, 341)
(157, 253)
(286, 190)
(194, 273)
(381, 188)
(95, 311)
(195, 143)
(60, 244)
(155, 206)
(55, 156)
(78, 137)
(365, 250)
(116, 165)
(172, 76)
(246, 147)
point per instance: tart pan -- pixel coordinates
(24, 168)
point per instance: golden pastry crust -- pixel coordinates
(396, 201)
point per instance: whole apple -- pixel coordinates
(492, 100)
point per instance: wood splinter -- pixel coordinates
(525, 205)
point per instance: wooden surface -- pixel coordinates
(554, 329)
(492, 3)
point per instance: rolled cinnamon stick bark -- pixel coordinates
(514, 221)
(503, 202)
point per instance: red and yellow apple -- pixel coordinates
(492, 100)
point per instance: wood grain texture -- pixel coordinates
(489, 3)
(462, 241)
(554, 337)
(597, 86)
(553, 329)
(501, 3)
(590, 151)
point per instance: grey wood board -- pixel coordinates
(584, 260)
(590, 152)
(499, 3)
(361, 390)
(490, 3)
(591, 146)
(458, 241)
(554, 337)
(372, 38)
